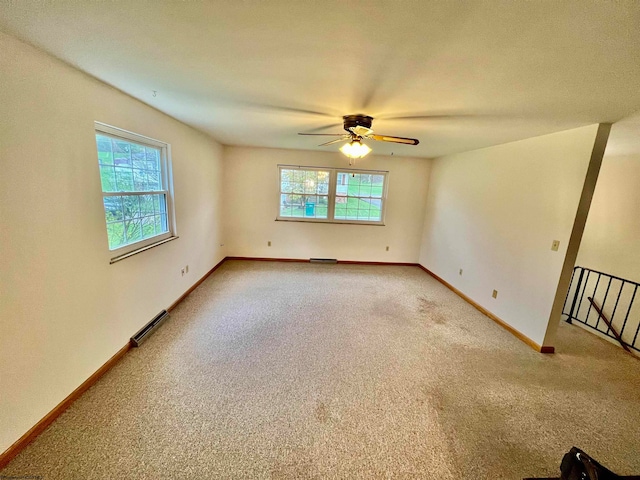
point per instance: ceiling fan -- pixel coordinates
(358, 128)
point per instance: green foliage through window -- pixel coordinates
(357, 197)
(134, 171)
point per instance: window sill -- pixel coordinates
(140, 250)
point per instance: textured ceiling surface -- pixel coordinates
(458, 75)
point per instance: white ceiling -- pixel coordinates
(475, 73)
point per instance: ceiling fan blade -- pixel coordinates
(325, 127)
(324, 134)
(385, 138)
(337, 140)
(432, 116)
(361, 131)
(282, 108)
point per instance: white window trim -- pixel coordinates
(333, 176)
(131, 249)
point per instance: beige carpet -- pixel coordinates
(273, 370)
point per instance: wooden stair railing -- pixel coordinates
(606, 320)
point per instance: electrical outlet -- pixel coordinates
(555, 245)
(269, 243)
(186, 269)
(460, 271)
(387, 248)
(495, 294)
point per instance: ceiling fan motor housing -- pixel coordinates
(356, 120)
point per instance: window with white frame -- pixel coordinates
(135, 172)
(331, 195)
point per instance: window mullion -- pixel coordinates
(332, 194)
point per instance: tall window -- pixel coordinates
(135, 175)
(331, 195)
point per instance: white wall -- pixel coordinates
(611, 241)
(251, 191)
(494, 213)
(64, 309)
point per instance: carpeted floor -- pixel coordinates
(273, 370)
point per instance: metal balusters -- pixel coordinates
(622, 317)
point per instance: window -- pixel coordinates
(331, 195)
(304, 193)
(359, 196)
(136, 193)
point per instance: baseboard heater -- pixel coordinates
(323, 260)
(146, 331)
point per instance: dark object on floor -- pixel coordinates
(577, 465)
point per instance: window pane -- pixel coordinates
(121, 153)
(144, 215)
(105, 153)
(375, 216)
(313, 207)
(359, 196)
(138, 156)
(296, 203)
(286, 211)
(363, 214)
(131, 207)
(298, 176)
(323, 176)
(124, 179)
(156, 203)
(153, 158)
(162, 200)
(321, 212)
(158, 224)
(164, 224)
(310, 182)
(108, 178)
(377, 183)
(113, 209)
(354, 184)
(133, 230)
(137, 168)
(307, 182)
(303, 206)
(376, 203)
(140, 180)
(148, 227)
(146, 205)
(115, 233)
(154, 180)
(286, 183)
(323, 182)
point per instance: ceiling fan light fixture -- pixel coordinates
(355, 149)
